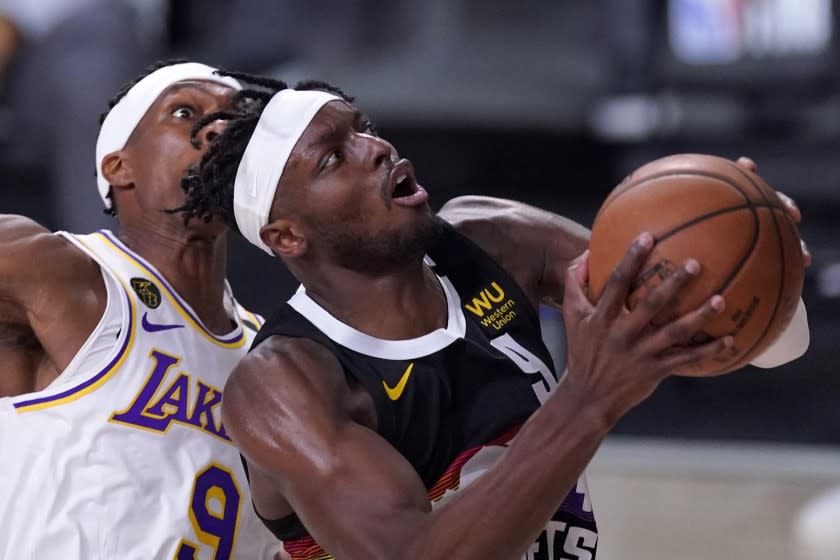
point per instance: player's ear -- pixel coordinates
(285, 238)
(116, 169)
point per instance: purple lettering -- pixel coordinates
(134, 415)
(174, 403)
(202, 416)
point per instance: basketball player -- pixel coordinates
(402, 406)
(115, 347)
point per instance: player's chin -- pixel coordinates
(416, 218)
(204, 228)
(424, 224)
(412, 213)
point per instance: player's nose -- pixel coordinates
(378, 151)
(208, 132)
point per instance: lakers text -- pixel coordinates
(171, 396)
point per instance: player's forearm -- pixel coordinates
(564, 240)
(501, 514)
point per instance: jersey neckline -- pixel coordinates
(233, 339)
(408, 349)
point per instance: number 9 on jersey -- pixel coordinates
(214, 512)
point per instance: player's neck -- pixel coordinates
(193, 265)
(398, 306)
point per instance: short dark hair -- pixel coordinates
(112, 211)
(209, 185)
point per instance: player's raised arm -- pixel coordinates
(312, 449)
(51, 293)
(534, 246)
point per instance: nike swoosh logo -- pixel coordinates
(396, 392)
(155, 327)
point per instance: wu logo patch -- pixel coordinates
(146, 290)
(486, 300)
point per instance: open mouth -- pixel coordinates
(405, 186)
(403, 183)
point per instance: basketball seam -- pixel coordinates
(725, 180)
(643, 180)
(778, 299)
(782, 269)
(743, 259)
(745, 256)
(709, 215)
(741, 171)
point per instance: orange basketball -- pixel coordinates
(729, 219)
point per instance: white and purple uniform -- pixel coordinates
(124, 455)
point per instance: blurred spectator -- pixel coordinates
(62, 60)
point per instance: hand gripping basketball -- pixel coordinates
(725, 216)
(617, 356)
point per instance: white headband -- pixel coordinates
(280, 127)
(123, 118)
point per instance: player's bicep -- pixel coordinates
(18, 235)
(32, 260)
(369, 503)
(287, 408)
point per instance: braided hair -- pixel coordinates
(209, 185)
(112, 211)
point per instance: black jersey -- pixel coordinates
(452, 400)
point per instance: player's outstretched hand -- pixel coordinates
(617, 357)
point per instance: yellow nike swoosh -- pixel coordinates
(396, 392)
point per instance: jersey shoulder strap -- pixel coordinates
(287, 321)
(480, 281)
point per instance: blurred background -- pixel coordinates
(548, 101)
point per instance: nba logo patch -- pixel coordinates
(146, 290)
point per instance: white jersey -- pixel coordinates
(124, 456)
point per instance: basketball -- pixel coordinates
(713, 210)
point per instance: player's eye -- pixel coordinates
(183, 112)
(333, 158)
(369, 128)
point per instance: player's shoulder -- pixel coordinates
(288, 356)
(284, 392)
(475, 213)
(279, 361)
(24, 243)
(481, 220)
(290, 374)
(287, 321)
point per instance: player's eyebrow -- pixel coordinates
(328, 136)
(333, 130)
